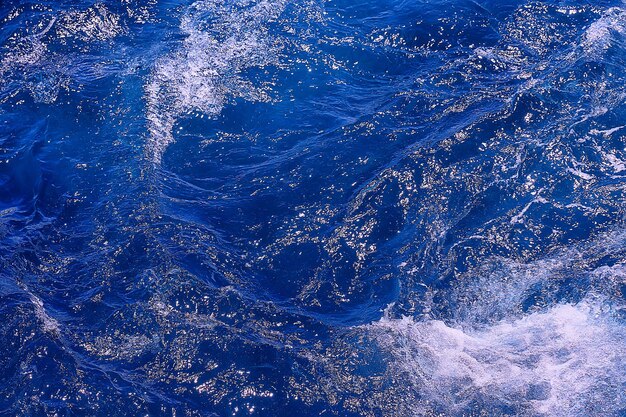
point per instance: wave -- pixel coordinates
(52, 52)
(221, 41)
(565, 361)
(543, 338)
(605, 31)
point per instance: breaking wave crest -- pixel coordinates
(544, 338)
(565, 361)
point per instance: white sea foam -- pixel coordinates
(49, 324)
(617, 164)
(94, 23)
(204, 73)
(566, 361)
(550, 360)
(599, 34)
(29, 56)
(607, 132)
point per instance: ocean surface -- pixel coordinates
(376, 208)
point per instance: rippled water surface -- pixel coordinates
(312, 208)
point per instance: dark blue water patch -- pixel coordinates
(324, 208)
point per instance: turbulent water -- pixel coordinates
(312, 208)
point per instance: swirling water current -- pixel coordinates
(312, 208)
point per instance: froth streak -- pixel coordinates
(567, 361)
(204, 72)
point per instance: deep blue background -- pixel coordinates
(404, 151)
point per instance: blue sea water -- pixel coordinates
(312, 208)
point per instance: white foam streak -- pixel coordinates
(48, 323)
(598, 36)
(203, 74)
(28, 61)
(567, 361)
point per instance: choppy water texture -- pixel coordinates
(312, 208)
